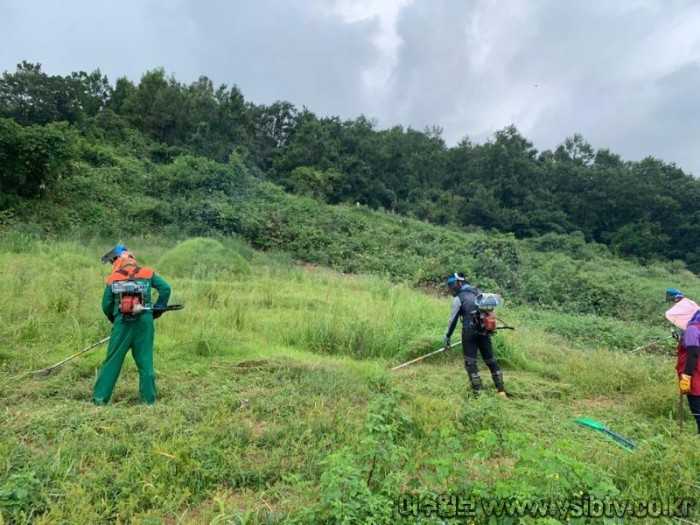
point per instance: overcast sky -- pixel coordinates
(623, 73)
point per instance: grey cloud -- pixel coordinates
(67, 37)
(623, 74)
(667, 125)
(613, 85)
(432, 78)
(273, 50)
(553, 69)
(285, 51)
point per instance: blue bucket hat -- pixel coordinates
(673, 293)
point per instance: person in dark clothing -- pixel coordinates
(474, 337)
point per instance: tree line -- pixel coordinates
(641, 209)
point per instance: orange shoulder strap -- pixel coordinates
(130, 272)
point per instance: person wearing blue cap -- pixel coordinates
(126, 302)
(673, 295)
(474, 338)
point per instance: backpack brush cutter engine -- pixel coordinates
(485, 317)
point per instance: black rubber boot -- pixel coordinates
(498, 381)
(474, 377)
(496, 375)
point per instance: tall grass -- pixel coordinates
(275, 404)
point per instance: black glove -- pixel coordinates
(157, 313)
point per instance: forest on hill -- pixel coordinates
(51, 123)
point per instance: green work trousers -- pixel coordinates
(137, 336)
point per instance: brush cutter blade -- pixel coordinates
(48, 371)
(56, 367)
(173, 307)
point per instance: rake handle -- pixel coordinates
(619, 437)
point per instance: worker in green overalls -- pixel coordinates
(127, 304)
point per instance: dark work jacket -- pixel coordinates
(464, 307)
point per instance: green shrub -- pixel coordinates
(32, 157)
(361, 487)
(201, 258)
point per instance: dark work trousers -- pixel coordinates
(694, 403)
(471, 343)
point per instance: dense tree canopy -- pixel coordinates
(640, 209)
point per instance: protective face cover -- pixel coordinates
(123, 261)
(454, 283)
(455, 287)
(113, 254)
(682, 312)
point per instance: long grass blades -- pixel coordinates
(623, 443)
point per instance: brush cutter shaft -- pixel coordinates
(426, 355)
(78, 353)
(98, 343)
(655, 341)
(139, 308)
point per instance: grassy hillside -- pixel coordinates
(276, 406)
(109, 195)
